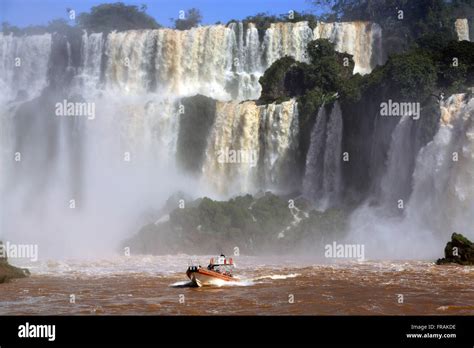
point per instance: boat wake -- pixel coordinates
(238, 281)
(278, 276)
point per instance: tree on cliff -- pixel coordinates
(187, 20)
(402, 21)
(116, 16)
(326, 73)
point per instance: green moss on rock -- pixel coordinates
(459, 250)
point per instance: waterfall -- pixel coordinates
(119, 161)
(279, 141)
(441, 200)
(23, 65)
(251, 147)
(220, 62)
(235, 129)
(396, 182)
(462, 29)
(322, 179)
(287, 39)
(313, 178)
(361, 39)
(89, 74)
(443, 188)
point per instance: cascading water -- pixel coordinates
(23, 65)
(441, 201)
(279, 131)
(88, 78)
(361, 39)
(286, 39)
(443, 189)
(251, 147)
(100, 171)
(217, 61)
(322, 179)
(396, 182)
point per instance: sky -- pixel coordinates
(32, 12)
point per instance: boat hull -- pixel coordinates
(202, 277)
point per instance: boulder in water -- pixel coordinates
(459, 250)
(8, 271)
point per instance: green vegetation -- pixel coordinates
(101, 18)
(412, 74)
(403, 21)
(273, 81)
(192, 18)
(459, 250)
(116, 16)
(54, 26)
(325, 75)
(428, 68)
(256, 224)
(7, 271)
(424, 71)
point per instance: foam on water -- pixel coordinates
(278, 276)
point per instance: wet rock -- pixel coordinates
(459, 250)
(8, 271)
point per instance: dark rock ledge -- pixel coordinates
(459, 250)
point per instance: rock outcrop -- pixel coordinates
(264, 223)
(459, 250)
(8, 271)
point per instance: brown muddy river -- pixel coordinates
(156, 285)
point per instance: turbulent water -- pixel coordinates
(155, 285)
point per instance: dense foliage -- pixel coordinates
(101, 18)
(116, 16)
(402, 21)
(255, 224)
(192, 18)
(325, 74)
(273, 81)
(430, 67)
